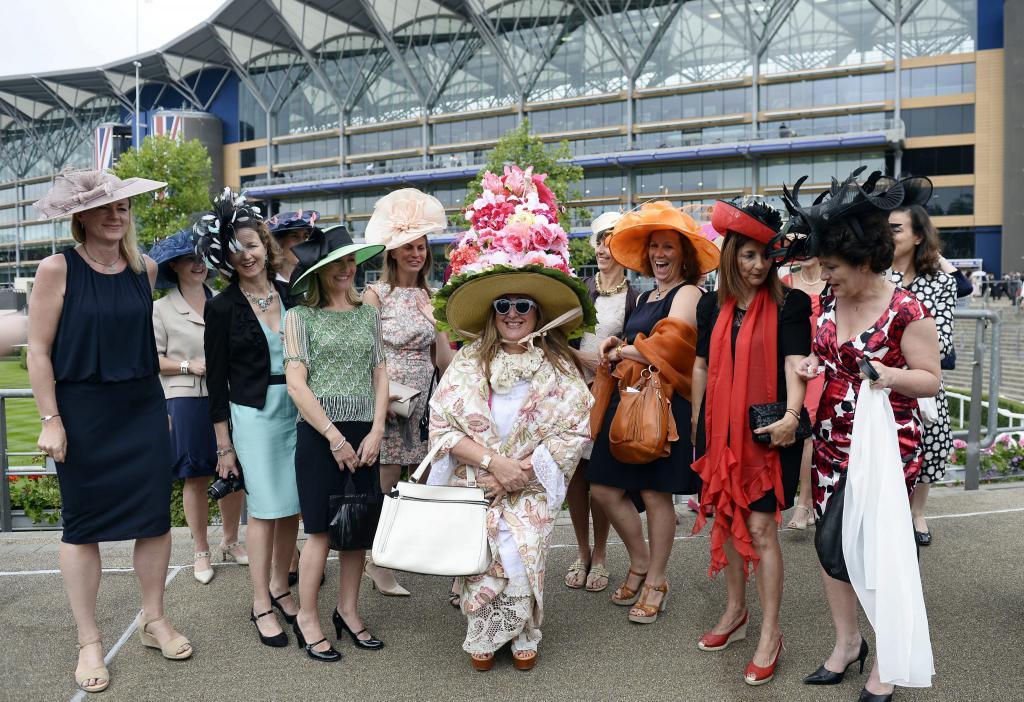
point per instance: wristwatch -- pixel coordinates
(485, 462)
(183, 367)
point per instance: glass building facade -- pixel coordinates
(331, 105)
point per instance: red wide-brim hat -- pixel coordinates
(727, 217)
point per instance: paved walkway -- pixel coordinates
(973, 579)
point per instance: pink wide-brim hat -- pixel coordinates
(78, 190)
(403, 216)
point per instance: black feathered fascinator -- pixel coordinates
(843, 201)
(215, 230)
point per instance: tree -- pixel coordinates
(581, 254)
(523, 149)
(186, 168)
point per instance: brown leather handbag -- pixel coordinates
(643, 425)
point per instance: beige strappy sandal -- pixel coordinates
(99, 673)
(572, 576)
(597, 571)
(170, 650)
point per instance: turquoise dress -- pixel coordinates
(264, 442)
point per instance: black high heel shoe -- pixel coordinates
(275, 604)
(277, 640)
(370, 644)
(866, 696)
(328, 656)
(824, 676)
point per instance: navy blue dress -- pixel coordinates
(115, 482)
(671, 474)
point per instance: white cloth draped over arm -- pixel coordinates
(878, 544)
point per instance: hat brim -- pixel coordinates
(362, 252)
(167, 278)
(130, 188)
(629, 247)
(465, 306)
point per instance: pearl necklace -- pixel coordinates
(262, 302)
(809, 283)
(609, 291)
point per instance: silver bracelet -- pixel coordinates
(225, 452)
(341, 444)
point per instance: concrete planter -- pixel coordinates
(21, 522)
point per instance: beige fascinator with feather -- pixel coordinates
(77, 190)
(404, 216)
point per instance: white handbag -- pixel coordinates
(929, 410)
(403, 405)
(433, 529)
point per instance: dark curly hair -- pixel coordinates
(864, 239)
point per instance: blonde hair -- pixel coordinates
(315, 296)
(128, 246)
(554, 346)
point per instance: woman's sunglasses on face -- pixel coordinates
(523, 306)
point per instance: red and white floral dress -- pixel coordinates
(834, 425)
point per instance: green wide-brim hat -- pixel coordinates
(463, 306)
(323, 248)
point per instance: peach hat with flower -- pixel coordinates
(403, 216)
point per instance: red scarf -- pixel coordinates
(735, 469)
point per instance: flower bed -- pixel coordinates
(1004, 458)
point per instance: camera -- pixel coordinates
(223, 487)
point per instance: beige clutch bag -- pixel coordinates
(403, 405)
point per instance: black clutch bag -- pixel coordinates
(828, 535)
(355, 519)
(766, 414)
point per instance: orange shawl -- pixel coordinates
(670, 348)
(735, 469)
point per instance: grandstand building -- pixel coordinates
(329, 104)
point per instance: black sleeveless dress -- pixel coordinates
(671, 474)
(115, 482)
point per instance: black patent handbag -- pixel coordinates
(767, 414)
(828, 535)
(356, 514)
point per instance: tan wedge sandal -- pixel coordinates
(99, 673)
(643, 613)
(624, 596)
(170, 650)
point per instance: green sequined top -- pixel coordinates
(340, 351)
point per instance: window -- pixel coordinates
(958, 200)
(931, 121)
(957, 243)
(946, 160)
(938, 80)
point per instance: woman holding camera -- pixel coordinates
(253, 417)
(337, 377)
(178, 324)
(751, 336)
(93, 367)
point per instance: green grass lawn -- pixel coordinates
(22, 416)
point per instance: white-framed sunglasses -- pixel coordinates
(523, 305)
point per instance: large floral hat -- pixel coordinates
(215, 230)
(515, 246)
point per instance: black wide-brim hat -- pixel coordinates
(322, 248)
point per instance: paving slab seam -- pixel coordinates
(82, 694)
(176, 568)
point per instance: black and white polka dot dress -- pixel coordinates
(937, 292)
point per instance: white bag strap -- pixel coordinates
(415, 477)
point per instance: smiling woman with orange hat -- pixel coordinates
(657, 239)
(751, 337)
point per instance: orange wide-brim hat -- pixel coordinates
(632, 236)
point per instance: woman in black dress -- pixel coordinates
(658, 239)
(751, 337)
(93, 367)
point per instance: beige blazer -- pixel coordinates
(179, 335)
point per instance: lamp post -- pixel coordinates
(138, 130)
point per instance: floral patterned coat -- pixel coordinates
(552, 428)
